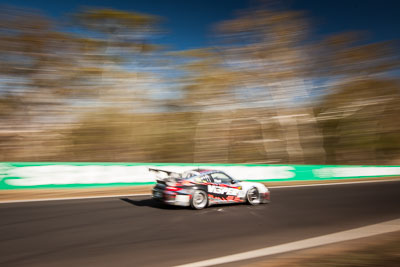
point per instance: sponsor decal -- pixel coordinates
(356, 171)
(222, 190)
(14, 175)
(69, 174)
(4, 170)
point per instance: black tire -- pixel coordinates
(199, 200)
(253, 196)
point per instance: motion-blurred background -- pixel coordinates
(298, 82)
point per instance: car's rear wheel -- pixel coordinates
(199, 200)
(253, 196)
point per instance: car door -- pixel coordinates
(224, 188)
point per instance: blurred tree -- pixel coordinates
(265, 53)
(207, 82)
(125, 38)
(33, 63)
(247, 99)
(51, 74)
(43, 66)
(114, 135)
(269, 61)
(359, 120)
(128, 30)
(363, 95)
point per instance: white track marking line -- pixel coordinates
(133, 195)
(376, 229)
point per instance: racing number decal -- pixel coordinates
(229, 191)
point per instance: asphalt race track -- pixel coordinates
(136, 232)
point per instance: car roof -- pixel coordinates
(204, 171)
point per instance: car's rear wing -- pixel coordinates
(162, 175)
(159, 170)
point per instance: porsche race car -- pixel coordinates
(200, 188)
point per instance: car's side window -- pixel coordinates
(221, 178)
(203, 179)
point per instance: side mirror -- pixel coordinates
(235, 181)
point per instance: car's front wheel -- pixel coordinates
(253, 196)
(199, 200)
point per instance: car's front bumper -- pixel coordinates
(265, 197)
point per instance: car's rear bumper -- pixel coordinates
(171, 198)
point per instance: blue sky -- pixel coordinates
(189, 22)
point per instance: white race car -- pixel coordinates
(201, 188)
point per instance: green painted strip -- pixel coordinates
(22, 175)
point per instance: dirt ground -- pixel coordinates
(380, 250)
